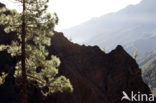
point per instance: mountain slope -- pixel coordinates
(130, 27)
(149, 74)
(148, 65)
(147, 59)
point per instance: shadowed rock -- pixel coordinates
(96, 77)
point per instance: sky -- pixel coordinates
(75, 12)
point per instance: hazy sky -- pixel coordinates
(74, 12)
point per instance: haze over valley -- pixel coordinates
(134, 27)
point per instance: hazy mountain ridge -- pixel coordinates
(146, 60)
(133, 25)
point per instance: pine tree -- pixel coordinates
(23, 55)
(34, 28)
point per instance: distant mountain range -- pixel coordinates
(133, 27)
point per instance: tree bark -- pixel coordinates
(24, 77)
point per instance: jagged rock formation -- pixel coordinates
(96, 77)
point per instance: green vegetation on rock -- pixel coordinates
(148, 65)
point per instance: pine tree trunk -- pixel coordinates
(24, 78)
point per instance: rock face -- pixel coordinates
(96, 77)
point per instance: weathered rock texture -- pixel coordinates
(96, 77)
